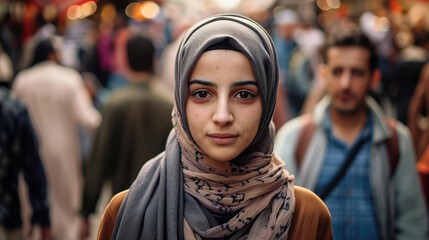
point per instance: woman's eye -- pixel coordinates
(245, 95)
(201, 94)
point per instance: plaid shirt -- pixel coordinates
(350, 201)
(19, 152)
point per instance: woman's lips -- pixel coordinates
(222, 138)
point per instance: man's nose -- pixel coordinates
(345, 79)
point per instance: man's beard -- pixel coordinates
(350, 111)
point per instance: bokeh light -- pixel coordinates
(323, 5)
(108, 13)
(74, 12)
(50, 12)
(334, 4)
(129, 10)
(89, 8)
(142, 11)
(149, 9)
(81, 11)
(228, 4)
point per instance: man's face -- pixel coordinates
(347, 77)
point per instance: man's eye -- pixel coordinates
(358, 73)
(201, 94)
(337, 71)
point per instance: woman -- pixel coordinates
(218, 177)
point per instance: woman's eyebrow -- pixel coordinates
(245, 82)
(202, 82)
(211, 84)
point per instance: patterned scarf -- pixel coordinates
(260, 191)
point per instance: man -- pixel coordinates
(373, 198)
(58, 104)
(135, 126)
(19, 154)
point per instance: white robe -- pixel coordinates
(58, 104)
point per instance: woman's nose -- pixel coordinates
(223, 115)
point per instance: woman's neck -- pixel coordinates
(224, 166)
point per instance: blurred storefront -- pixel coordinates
(24, 17)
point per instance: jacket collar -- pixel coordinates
(381, 129)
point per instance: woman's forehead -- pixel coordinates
(223, 65)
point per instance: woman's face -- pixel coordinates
(223, 107)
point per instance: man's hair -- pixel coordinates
(43, 49)
(350, 37)
(140, 53)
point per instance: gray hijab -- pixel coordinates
(246, 36)
(154, 205)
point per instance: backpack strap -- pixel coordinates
(307, 129)
(392, 146)
(304, 138)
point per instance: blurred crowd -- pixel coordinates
(74, 116)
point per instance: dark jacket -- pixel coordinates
(19, 153)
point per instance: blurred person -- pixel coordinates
(304, 64)
(418, 111)
(418, 123)
(218, 178)
(8, 39)
(19, 154)
(78, 41)
(310, 39)
(94, 88)
(6, 68)
(298, 43)
(423, 169)
(135, 126)
(101, 62)
(377, 26)
(120, 34)
(286, 22)
(407, 70)
(96, 93)
(318, 88)
(44, 31)
(58, 104)
(410, 47)
(166, 66)
(92, 59)
(360, 162)
(405, 79)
